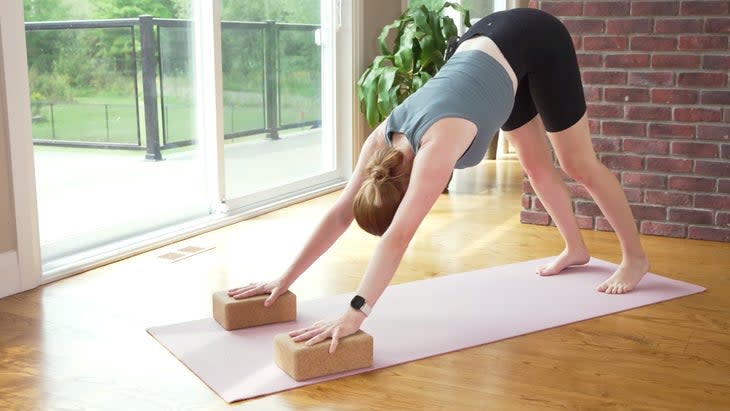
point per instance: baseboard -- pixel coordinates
(9, 274)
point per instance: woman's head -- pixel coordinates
(385, 184)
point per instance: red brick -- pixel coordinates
(704, 7)
(628, 26)
(690, 216)
(537, 205)
(668, 198)
(663, 229)
(577, 42)
(602, 224)
(587, 208)
(643, 180)
(712, 168)
(725, 151)
(609, 43)
(627, 60)
(634, 195)
(668, 165)
(606, 144)
(594, 126)
(654, 8)
(671, 130)
(674, 96)
(567, 8)
(715, 62)
(701, 79)
(643, 146)
(590, 60)
(583, 26)
(722, 219)
(604, 77)
(648, 212)
(534, 217)
(592, 93)
(584, 222)
(709, 233)
(716, 97)
(723, 186)
(606, 8)
(653, 43)
(648, 113)
(693, 149)
(620, 128)
(677, 26)
(622, 161)
(708, 132)
(627, 95)
(719, 25)
(685, 183)
(605, 111)
(714, 202)
(527, 187)
(727, 115)
(703, 42)
(675, 61)
(578, 191)
(651, 79)
(697, 114)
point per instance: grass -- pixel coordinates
(114, 119)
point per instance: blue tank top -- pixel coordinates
(472, 85)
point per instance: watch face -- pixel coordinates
(357, 302)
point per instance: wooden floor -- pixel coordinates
(80, 343)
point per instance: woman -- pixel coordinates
(506, 69)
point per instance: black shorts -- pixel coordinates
(540, 50)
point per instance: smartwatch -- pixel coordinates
(358, 303)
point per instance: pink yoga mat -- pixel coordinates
(415, 320)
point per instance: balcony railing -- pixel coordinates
(154, 122)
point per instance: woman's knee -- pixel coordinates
(582, 170)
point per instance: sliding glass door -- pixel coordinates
(276, 130)
(120, 155)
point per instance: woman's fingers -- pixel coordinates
(319, 337)
(307, 335)
(335, 340)
(300, 331)
(248, 291)
(275, 293)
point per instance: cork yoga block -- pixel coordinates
(234, 314)
(304, 362)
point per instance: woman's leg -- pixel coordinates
(574, 149)
(537, 161)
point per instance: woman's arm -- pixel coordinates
(440, 148)
(333, 224)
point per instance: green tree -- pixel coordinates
(116, 9)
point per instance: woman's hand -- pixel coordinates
(275, 288)
(348, 324)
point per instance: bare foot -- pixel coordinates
(565, 259)
(628, 274)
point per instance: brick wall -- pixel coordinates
(655, 75)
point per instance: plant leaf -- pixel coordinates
(384, 36)
(385, 82)
(404, 55)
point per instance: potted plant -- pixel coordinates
(417, 52)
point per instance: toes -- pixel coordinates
(603, 287)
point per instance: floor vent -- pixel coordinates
(182, 253)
